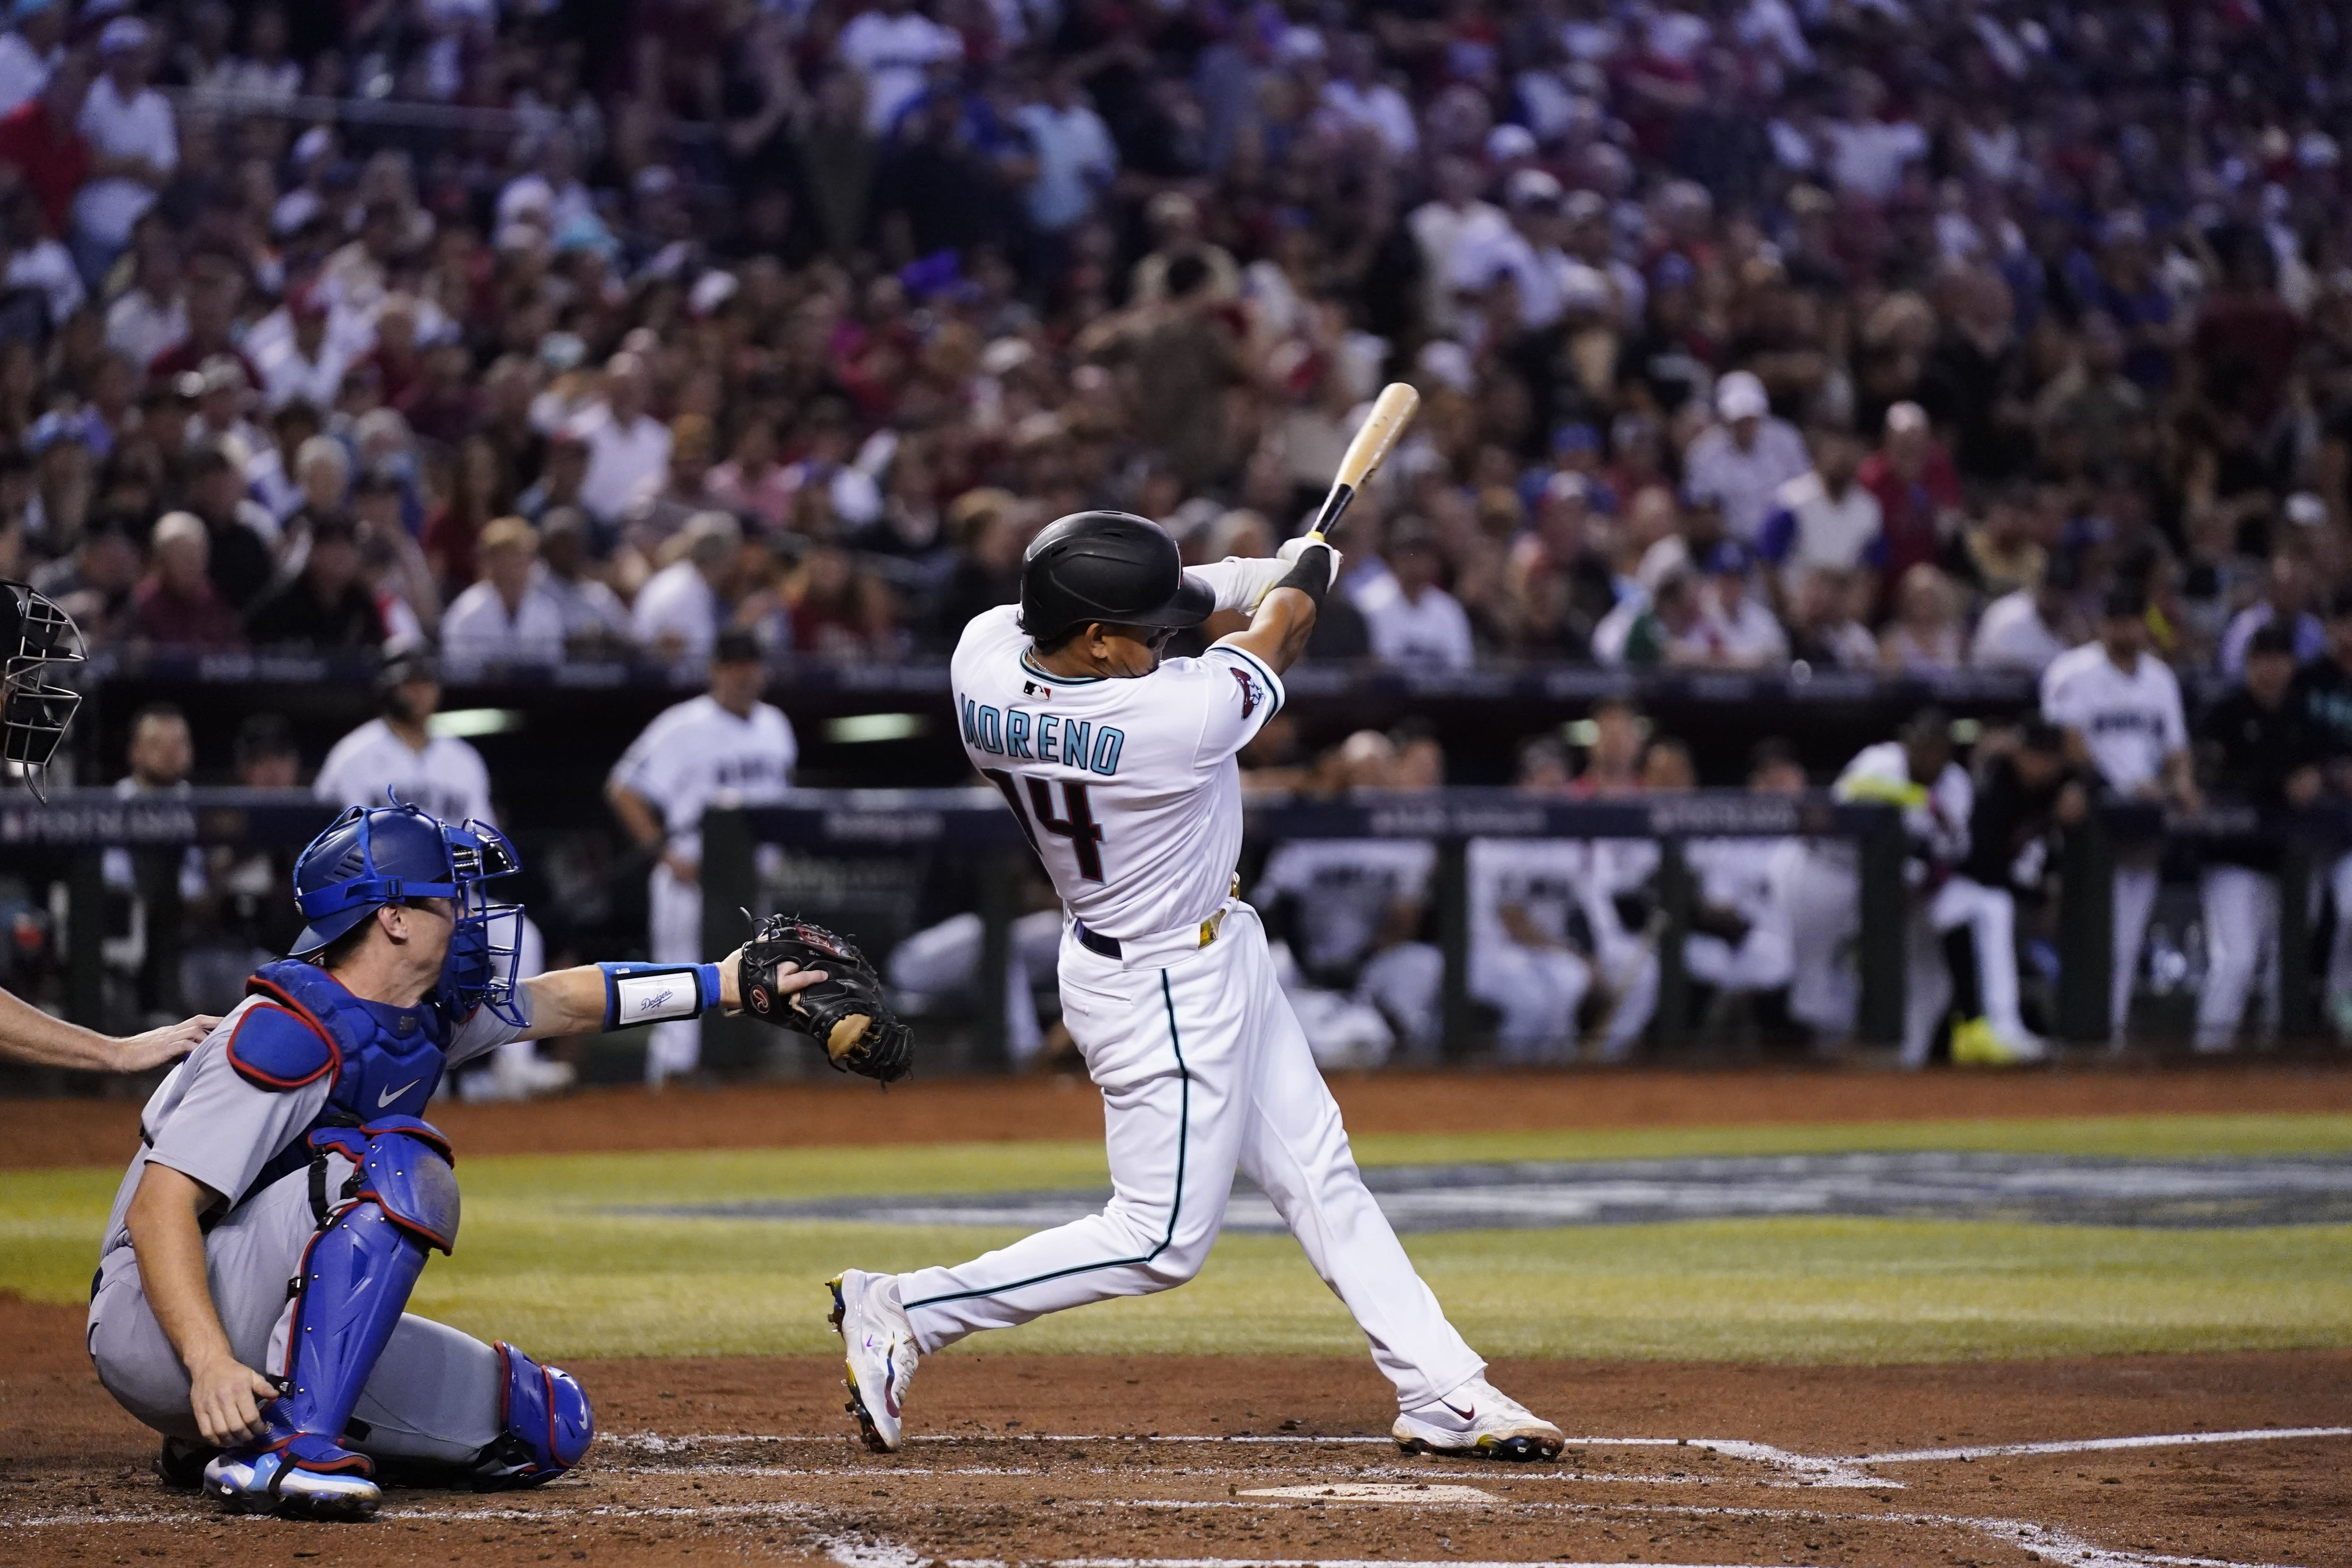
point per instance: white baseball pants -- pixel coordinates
(944, 959)
(1203, 1071)
(1822, 896)
(1538, 991)
(2134, 902)
(1990, 915)
(2241, 950)
(1762, 961)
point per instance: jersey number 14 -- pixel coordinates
(1077, 823)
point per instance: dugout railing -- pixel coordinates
(64, 840)
(974, 822)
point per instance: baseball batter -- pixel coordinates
(726, 742)
(1120, 768)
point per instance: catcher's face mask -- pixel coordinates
(486, 946)
(34, 712)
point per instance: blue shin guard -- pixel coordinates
(544, 1425)
(355, 1283)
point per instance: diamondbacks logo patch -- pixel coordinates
(1251, 695)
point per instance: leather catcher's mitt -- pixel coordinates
(844, 1012)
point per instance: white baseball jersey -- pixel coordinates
(446, 778)
(1738, 874)
(696, 752)
(2129, 721)
(1128, 788)
(1935, 817)
(1345, 888)
(1546, 878)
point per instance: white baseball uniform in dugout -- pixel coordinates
(1130, 791)
(2130, 722)
(688, 755)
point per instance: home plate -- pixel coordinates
(1374, 1491)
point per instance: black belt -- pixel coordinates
(1094, 941)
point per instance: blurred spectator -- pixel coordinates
(681, 608)
(1739, 466)
(40, 134)
(134, 138)
(1927, 634)
(505, 615)
(1822, 518)
(2289, 595)
(95, 584)
(1413, 624)
(1823, 630)
(1918, 494)
(892, 47)
(1071, 154)
(628, 449)
(175, 604)
(595, 622)
(2026, 628)
(31, 49)
(324, 606)
(1739, 631)
(241, 563)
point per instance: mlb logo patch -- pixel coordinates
(1036, 690)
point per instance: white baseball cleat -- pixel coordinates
(880, 1346)
(1477, 1421)
(270, 1482)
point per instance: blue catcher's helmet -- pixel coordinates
(370, 856)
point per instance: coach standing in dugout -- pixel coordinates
(725, 743)
(2257, 751)
(2120, 708)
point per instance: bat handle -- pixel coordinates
(1333, 506)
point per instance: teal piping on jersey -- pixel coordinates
(1175, 1205)
(1273, 686)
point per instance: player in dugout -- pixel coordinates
(35, 713)
(291, 1147)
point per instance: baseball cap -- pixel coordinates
(1729, 558)
(736, 645)
(1531, 187)
(2271, 637)
(1673, 270)
(122, 35)
(1506, 142)
(1740, 395)
(2124, 602)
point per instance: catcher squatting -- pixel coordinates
(250, 1304)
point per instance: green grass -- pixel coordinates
(545, 1262)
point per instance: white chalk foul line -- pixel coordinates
(2097, 1444)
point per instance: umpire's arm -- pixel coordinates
(30, 1036)
(571, 1001)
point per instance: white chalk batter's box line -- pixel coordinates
(1803, 1471)
(2056, 1546)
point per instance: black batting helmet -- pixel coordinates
(1107, 566)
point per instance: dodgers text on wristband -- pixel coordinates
(655, 992)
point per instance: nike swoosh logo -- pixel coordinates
(389, 1095)
(1470, 1413)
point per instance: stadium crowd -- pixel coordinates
(1885, 333)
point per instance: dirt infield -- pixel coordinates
(848, 1111)
(1162, 1460)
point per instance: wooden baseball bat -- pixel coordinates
(1391, 412)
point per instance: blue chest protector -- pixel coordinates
(383, 1062)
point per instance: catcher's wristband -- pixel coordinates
(657, 993)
